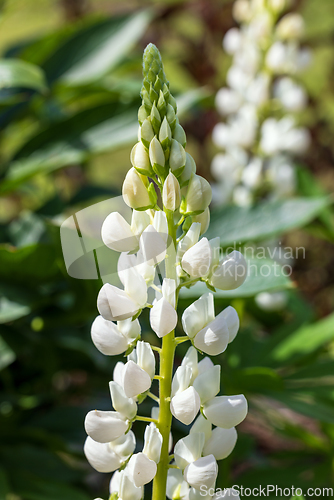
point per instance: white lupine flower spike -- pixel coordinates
(162, 251)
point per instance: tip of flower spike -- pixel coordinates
(151, 60)
(155, 85)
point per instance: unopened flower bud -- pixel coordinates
(179, 135)
(135, 191)
(197, 260)
(165, 133)
(172, 102)
(198, 196)
(226, 411)
(171, 116)
(141, 469)
(145, 358)
(146, 132)
(190, 359)
(203, 219)
(230, 273)
(155, 118)
(163, 317)
(162, 106)
(181, 380)
(189, 169)
(152, 442)
(177, 158)
(185, 405)
(142, 114)
(171, 194)
(105, 426)
(202, 472)
(291, 26)
(157, 156)
(221, 443)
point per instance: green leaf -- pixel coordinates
(313, 371)
(15, 73)
(308, 405)
(241, 224)
(256, 380)
(91, 52)
(305, 340)
(4, 484)
(263, 275)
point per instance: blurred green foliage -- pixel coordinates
(69, 93)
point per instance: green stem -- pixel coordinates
(166, 374)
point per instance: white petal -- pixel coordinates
(201, 424)
(135, 380)
(134, 285)
(117, 234)
(232, 320)
(141, 469)
(127, 489)
(189, 449)
(204, 365)
(118, 373)
(152, 246)
(197, 260)
(231, 272)
(185, 405)
(105, 426)
(100, 456)
(189, 240)
(152, 442)
(139, 221)
(198, 314)
(176, 485)
(200, 494)
(145, 358)
(182, 379)
(115, 482)
(124, 446)
(163, 317)
(160, 224)
(130, 329)
(168, 290)
(191, 359)
(202, 472)
(213, 338)
(226, 411)
(227, 493)
(221, 443)
(208, 384)
(114, 304)
(121, 403)
(107, 338)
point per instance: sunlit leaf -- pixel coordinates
(15, 73)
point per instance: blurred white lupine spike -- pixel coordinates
(197, 260)
(230, 273)
(202, 472)
(152, 442)
(122, 484)
(191, 359)
(152, 246)
(107, 338)
(105, 426)
(135, 380)
(208, 384)
(204, 365)
(121, 403)
(198, 315)
(232, 320)
(189, 449)
(221, 443)
(177, 487)
(145, 358)
(117, 234)
(291, 26)
(101, 456)
(141, 469)
(185, 405)
(226, 411)
(115, 304)
(203, 425)
(182, 379)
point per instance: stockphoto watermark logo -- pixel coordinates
(86, 255)
(269, 490)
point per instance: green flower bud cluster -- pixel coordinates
(160, 152)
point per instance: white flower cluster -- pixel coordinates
(153, 266)
(259, 136)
